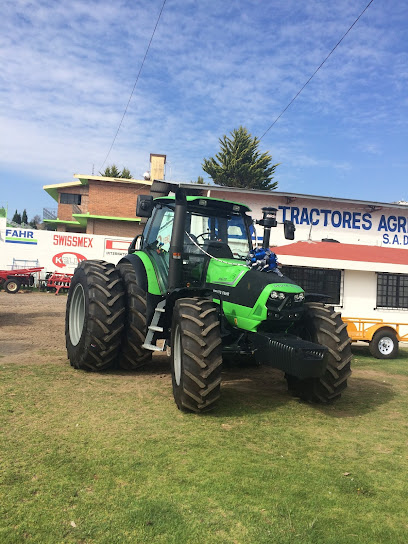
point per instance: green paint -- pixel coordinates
(226, 272)
(25, 240)
(152, 278)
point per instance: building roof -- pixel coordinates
(84, 179)
(290, 197)
(344, 256)
(53, 189)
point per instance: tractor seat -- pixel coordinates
(218, 249)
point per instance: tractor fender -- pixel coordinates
(145, 282)
(139, 268)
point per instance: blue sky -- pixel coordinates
(68, 68)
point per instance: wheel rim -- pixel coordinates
(177, 355)
(12, 286)
(385, 345)
(77, 314)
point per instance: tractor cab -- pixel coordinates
(211, 229)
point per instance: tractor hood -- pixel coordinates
(244, 293)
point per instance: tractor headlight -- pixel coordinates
(299, 297)
(277, 295)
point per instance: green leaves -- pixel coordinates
(113, 171)
(240, 163)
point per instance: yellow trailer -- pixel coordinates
(382, 336)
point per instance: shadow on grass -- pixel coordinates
(254, 389)
(21, 319)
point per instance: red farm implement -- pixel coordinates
(57, 281)
(12, 280)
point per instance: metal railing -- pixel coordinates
(50, 213)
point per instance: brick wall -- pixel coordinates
(114, 228)
(65, 210)
(114, 199)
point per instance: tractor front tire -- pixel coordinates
(323, 325)
(12, 286)
(196, 355)
(95, 316)
(132, 354)
(384, 344)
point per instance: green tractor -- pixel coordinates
(190, 289)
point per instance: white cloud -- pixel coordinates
(68, 70)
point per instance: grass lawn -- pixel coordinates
(108, 458)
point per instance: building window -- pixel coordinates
(68, 198)
(324, 281)
(392, 290)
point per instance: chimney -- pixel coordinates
(157, 163)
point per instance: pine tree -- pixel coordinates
(111, 172)
(24, 218)
(16, 218)
(126, 173)
(240, 164)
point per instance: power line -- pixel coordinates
(317, 69)
(134, 86)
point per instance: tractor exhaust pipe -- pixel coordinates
(267, 222)
(177, 241)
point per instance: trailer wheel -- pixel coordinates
(12, 285)
(384, 344)
(94, 317)
(132, 354)
(323, 325)
(196, 358)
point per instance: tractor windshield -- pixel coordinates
(224, 236)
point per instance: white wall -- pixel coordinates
(56, 251)
(359, 294)
(315, 218)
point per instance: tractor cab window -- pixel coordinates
(220, 236)
(157, 242)
(159, 235)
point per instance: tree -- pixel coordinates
(200, 180)
(35, 221)
(16, 218)
(24, 218)
(126, 173)
(113, 171)
(240, 164)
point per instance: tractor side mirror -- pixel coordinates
(144, 205)
(289, 229)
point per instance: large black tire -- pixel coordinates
(132, 354)
(95, 316)
(384, 344)
(12, 285)
(323, 325)
(196, 359)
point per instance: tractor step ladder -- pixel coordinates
(154, 327)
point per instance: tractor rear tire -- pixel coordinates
(384, 344)
(132, 354)
(94, 316)
(12, 286)
(196, 354)
(323, 325)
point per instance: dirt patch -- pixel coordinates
(31, 324)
